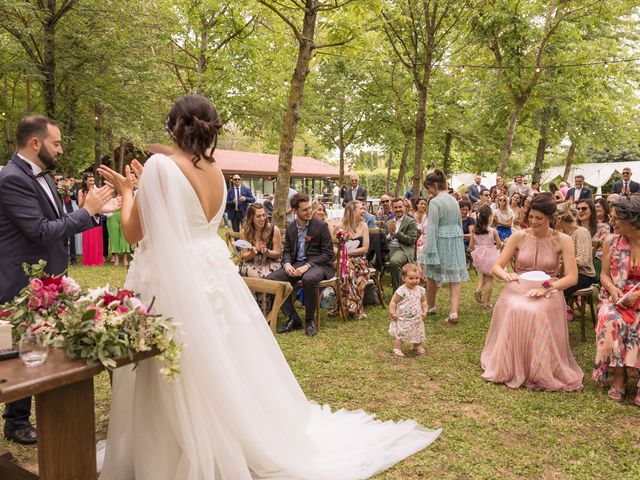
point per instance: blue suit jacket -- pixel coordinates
(244, 192)
(585, 193)
(30, 227)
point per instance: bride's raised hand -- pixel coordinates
(137, 168)
(121, 183)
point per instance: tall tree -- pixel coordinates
(305, 36)
(420, 33)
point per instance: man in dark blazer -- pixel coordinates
(355, 192)
(626, 186)
(579, 191)
(307, 255)
(475, 188)
(34, 226)
(238, 199)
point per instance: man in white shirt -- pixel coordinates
(579, 192)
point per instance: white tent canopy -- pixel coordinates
(595, 174)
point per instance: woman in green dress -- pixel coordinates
(443, 252)
(117, 244)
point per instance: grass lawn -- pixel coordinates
(490, 431)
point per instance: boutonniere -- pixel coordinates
(308, 238)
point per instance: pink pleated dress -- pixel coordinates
(528, 340)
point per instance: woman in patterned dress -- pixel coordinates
(618, 327)
(356, 271)
(263, 257)
(443, 254)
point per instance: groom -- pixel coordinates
(34, 226)
(307, 256)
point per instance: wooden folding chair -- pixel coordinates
(374, 274)
(281, 290)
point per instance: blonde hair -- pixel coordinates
(349, 217)
(567, 214)
(410, 268)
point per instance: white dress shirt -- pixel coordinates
(576, 194)
(43, 182)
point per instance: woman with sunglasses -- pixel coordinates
(504, 218)
(618, 327)
(588, 218)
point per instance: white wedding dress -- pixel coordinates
(236, 411)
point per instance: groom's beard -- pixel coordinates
(46, 158)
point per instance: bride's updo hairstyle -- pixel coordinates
(193, 124)
(545, 203)
(436, 178)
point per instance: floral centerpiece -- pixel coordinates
(100, 325)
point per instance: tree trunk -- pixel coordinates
(403, 168)
(511, 132)
(421, 127)
(387, 184)
(568, 161)
(123, 144)
(292, 114)
(97, 150)
(542, 145)
(341, 149)
(49, 62)
(202, 58)
(28, 95)
(446, 161)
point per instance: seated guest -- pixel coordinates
(581, 238)
(320, 213)
(369, 219)
(500, 187)
(385, 212)
(519, 186)
(528, 341)
(357, 268)
(443, 254)
(515, 204)
(263, 258)
(408, 207)
(504, 218)
(618, 327)
(307, 256)
(402, 234)
(468, 223)
(588, 218)
(420, 215)
(602, 210)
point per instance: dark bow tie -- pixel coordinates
(44, 172)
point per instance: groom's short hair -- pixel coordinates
(32, 126)
(297, 199)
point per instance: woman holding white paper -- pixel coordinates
(354, 268)
(528, 341)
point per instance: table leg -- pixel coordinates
(66, 432)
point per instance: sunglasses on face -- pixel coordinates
(582, 209)
(385, 201)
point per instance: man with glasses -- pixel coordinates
(579, 192)
(238, 199)
(626, 186)
(385, 213)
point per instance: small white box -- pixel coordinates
(5, 334)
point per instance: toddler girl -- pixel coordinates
(484, 244)
(408, 308)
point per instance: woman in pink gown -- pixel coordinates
(92, 248)
(528, 341)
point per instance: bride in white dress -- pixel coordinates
(236, 411)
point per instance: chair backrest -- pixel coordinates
(230, 237)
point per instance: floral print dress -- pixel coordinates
(259, 267)
(354, 283)
(618, 328)
(409, 327)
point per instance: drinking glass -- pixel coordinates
(33, 351)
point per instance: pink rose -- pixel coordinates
(138, 305)
(35, 285)
(98, 313)
(122, 309)
(34, 303)
(70, 286)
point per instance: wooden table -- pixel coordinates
(64, 411)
